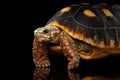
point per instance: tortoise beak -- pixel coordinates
(36, 32)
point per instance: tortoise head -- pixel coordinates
(47, 34)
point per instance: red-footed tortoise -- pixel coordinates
(80, 31)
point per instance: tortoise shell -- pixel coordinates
(98, 25)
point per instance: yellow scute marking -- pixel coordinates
(107, 12)
(112, 43)
(89, 13)
(88, 40)
(102, 44)
(66, 9)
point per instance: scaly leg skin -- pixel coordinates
(40, 54)
(69, 49)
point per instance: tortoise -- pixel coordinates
(79, 31)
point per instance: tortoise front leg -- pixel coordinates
(40, 54)
(69, 49)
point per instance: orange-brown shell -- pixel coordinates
(98, 25)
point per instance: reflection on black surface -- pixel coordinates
(47, 74)
(100, 78)
(103, 69)
(73, 75)
(76, 76)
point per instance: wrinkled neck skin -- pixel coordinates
(54, 34)
(54, 43)
(54, 38)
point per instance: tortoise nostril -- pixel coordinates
(45, 31)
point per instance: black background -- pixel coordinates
(25, 17)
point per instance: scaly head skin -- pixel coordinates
(48, 34)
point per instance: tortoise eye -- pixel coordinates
(45, 31)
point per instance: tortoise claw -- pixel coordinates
(43, 64)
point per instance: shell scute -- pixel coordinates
(98, 25)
